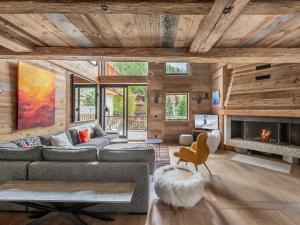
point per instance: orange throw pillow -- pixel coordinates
(84, 136)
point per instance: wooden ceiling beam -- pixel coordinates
(215, 55)
(12, 43)
(213, 26)
(175, 7)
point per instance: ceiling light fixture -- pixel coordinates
(104, 8)
(227, 9)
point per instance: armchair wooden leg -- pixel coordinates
(196, 166)
(179, 160)
(207, 168)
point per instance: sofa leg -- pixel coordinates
(207, 168)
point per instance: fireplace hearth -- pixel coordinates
(276, 135)
(281, 131)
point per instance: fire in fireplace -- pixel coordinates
(265, 136)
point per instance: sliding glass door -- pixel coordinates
(124, 108)
(114, 105)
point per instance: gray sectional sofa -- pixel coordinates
(84, 163)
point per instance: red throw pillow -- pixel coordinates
(84, 136)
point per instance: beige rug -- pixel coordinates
(268, 164)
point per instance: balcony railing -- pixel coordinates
(134, 122)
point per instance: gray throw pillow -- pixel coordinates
(99, 131)
(61, 140)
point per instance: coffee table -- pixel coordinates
(68, 198)
(156, 142)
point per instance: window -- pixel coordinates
(84, 99)
(125, 68)
(176, 106)
(176, 68)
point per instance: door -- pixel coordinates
(114, 109)
(124, 108)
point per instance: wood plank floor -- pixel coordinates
(236, 194)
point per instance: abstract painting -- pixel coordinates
(216, 97)
(36, 97)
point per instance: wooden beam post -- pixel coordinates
(218, 20)
(215, 55)
(170, 7)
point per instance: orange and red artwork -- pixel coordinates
(36, 97)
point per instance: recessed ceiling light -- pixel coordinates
(104, 8)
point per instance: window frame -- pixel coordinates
(177, 74)
(188, 109)
(74, 86)
(103, 68)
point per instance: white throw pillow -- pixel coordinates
(61, 140)
(213, 140)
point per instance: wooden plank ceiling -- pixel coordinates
(195, 25)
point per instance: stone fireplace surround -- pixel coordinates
(243, 132)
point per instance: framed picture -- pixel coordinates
(216, 98)
(36, 97)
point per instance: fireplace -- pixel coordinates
(278, 135)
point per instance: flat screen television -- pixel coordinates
(209, 122)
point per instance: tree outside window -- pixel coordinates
(176, 107)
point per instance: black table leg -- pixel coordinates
(48, 212)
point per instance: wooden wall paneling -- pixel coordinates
(82, 68)
(280, 92)
(220, 83)
(8, 97)
(198, 80)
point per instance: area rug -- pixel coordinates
(268, 164)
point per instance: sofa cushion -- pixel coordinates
(71, 155)
(9, 145)
(128, 153)
(61, 140)
(112, 136)
(99, 131)
(33, 141)
(32, 154)
(98, 142)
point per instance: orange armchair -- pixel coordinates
(196, 154)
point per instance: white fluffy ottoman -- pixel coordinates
(186, 139)
(178, 187)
